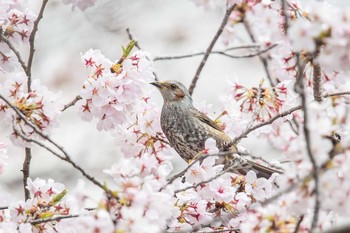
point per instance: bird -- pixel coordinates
(187, 129)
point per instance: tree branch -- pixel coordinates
(210, 48)
(56, 218)
(316, 75)
(270, 121)
(262, 59)
(26, 172)
(131, 38)
(280, 115)
(300, 89)
(13, 49)
(31, 43)
(208, 180)
(223, 52)
(297, 226)
(72, 103)
(66, 156)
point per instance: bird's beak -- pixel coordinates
(157, 84)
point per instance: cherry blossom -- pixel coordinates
(110, 96)
(40, 106)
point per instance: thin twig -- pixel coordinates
(285, 16)
(215, 52)
(4, 207)
(297, 226)
(31, 43)
(210, 48)
(66, 156)
(13, 49)
(211, 231)
(303, 180)
(137, 45)
(300, 89)
(270, 121)
(280, 115)
(26, 171)
(317, 82)
(56, 218)
(316, 75)
(132, 38)
(198, 158)
(337, 94)
(72, 103)
(208, 180)
(262, 59)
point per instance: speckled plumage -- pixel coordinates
(187, 129)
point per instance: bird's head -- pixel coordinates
(173, 91)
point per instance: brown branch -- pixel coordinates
(210, 48)
(208, 180)
(316, 74)
(297, 226)
(66, 156)
(26, 171)
(31, 43)
(56, 218)
(215, 52)
(229, 230)
(337, 94)
(72, 103)
(303, 180)
(280, 115)
(317, 82)
(131, 38)
(300, 89)
(13, 49)
(285, 16)
(262, 59)
(198, 158)
(270, 121)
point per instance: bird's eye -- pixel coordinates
(173, 86)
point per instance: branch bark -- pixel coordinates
(210, 48)
(262, 59)
(31, 43)
(300, 89)
(13, 49)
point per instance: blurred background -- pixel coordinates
(161, 27)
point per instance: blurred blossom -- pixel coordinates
(81, 4)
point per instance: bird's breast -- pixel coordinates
(184, 132)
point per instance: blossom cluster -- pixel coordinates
(47, 201)
(110, 94)
(40, 108)
(16, 23)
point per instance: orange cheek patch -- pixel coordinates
(179, 93)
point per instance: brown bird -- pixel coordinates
(187, 129)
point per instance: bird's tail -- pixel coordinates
(242, 165)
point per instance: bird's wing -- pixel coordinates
(203, 118)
